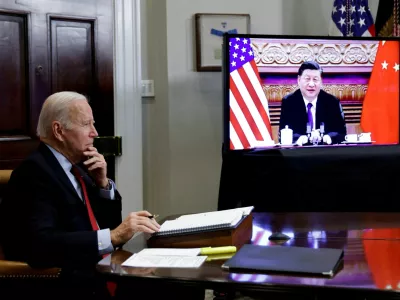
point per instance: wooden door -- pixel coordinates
(48, 46)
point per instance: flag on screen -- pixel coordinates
(380, 111)
(351, 18)
(249, 124)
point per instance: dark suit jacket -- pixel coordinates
(328, 110)
(43, 220)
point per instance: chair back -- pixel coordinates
(17, 279)
(4, 177)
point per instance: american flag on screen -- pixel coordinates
(249, 124)
(351, 18)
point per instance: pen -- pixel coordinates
(152, 216)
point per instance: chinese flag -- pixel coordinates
(380, 112)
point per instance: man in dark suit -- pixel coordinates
(310, 111)
(49, 217)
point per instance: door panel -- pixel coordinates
(14, 79)
(72, 56)
(15, 101)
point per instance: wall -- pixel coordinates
(156, 149)
(182, 124)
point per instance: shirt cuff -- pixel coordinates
(104, 241)
(108, 194)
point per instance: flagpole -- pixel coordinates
(348, 15)
(396, 21)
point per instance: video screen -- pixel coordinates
(310, 91)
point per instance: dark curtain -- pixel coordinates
(387, 18)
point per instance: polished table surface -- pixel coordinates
(371, 243)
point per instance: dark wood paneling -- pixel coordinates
(13, 152)
(72, 56)
(14, 79)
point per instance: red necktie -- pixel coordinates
(79, 177)
(74, 170)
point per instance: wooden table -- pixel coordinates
(371, 243)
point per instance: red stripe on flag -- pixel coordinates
(258, 237)
(231, 145)
(266, 118)
(249, 118)
(254, 96)
(235, 124)
(371, 30)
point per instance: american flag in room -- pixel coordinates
(249, 123)
(351, 18)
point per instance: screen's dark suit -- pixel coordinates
(328, 110)
(43, 220)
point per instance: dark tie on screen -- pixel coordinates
(309, 114)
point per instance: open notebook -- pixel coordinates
(207, 221)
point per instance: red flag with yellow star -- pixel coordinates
(380, 111)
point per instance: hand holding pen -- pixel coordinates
(141, 221)
(153, 216)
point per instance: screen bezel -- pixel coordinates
(225, 71)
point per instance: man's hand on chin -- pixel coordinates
(96, 166)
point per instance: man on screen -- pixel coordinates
(314, 115)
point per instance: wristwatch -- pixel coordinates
(108, 186)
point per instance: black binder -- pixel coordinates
(285, 259)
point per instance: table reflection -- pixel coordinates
(355, 271)
(249, 277)
(315, 238)
(351, 225)
(383, 257)
(370, 261)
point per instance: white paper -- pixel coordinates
(164, 261)
(207, 219)
(171, 251)
(227, 213)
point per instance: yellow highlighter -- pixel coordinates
(222, 256)
(217, 250)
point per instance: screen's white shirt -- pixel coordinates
(313, 109)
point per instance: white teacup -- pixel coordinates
(351, 138)
(287, 136)
(365, 137)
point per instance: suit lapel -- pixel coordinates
(302, 107)
(86, 178)
(318, 111)
(57, 170)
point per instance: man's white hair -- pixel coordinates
(56, 108)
